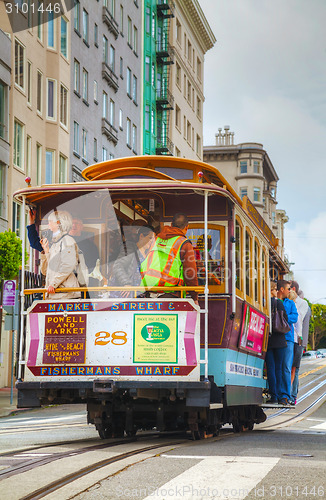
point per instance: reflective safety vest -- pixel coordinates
(163, 266)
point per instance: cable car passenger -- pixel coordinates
(171, 260)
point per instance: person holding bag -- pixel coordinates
(276, 344)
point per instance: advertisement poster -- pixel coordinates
(155, 338)
(64, 339)
(9, 293)
(253, 328)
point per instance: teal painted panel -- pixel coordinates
(234, 368)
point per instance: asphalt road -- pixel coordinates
(275, 461)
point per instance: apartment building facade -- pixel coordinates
(38, 103)
(176, 38)
(106, 79)
(249, 170)
(5, 82)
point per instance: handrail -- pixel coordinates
(164, 289)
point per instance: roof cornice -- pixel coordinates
(199, 24)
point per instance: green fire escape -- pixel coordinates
(158, 58)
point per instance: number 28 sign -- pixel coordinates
(115, 338)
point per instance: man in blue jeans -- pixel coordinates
(283, 290)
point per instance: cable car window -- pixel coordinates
(256, 271)
(177, 173)
(238, 255)
(248, 263)
(215, 258)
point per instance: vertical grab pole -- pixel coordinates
(233, 275)
(206, 281)
(22, 286)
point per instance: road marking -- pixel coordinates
(321, 426)
(312, 371)
(223, 477)
(316, 419)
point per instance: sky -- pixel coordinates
(266, 79)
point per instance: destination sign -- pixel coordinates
(64, 339)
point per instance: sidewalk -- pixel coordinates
(5, 407)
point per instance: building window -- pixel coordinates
(121, 19)
(16, 218)
(112, 112)
(19, 64)
(112, 58)
(129, 82)
(177, 152)
(39, 97)
(95, 149)
(40, 20)
(38, 164)
(273, 192)
(135, 40)
(178, 117)
(273, 217)
(243, 192)
(243, 167)
(105, 49)
(104, 154)
(3, 110)
(148, 20)
(2, 189)
(198, 109)
(134, 89)
(147, 69)
(76, 137)
(198, 145)
(85, 85)
(257, 194)
(49, 166)
(256, 167)
(128, 132)
(84, 144)
(153, 75)
(77, 15)
(129, 33)
(51, 37)
(51, 101)
(121, 119)
(178, 75)
(29, 82)
(76, 76)
(64, 37)
(147, 117)
(95, 91)
(96, 35)
(199, 70)
(28, 155)
(85, 25)
(19, 144)
(178, 30)
(134, 138)
(121, 67)
(105, 105)
(188, 132)
(110, 5)
(63, 106)
(62, 169)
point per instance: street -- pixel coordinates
(282, 458)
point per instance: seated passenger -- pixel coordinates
(126, 270)
(59, 261)
(171, 260)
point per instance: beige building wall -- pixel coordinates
(32, 132)
(190, 37)
(249, 170)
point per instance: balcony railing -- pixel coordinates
(164, 146)
(165, 8)
(111, 23)
(110, 131)
(109, 75)
(164, 53)
(164, 98)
